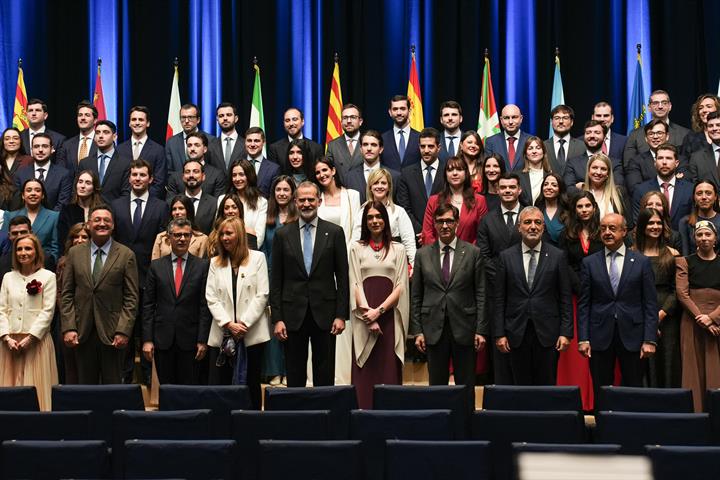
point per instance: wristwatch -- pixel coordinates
(381, 310)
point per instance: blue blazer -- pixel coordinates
(682, 199)
(153, 153)
(266, 175)
(44, 227)
(58, 183)
(617, 145)
(496, 144)
(634, 310)
(390, 157)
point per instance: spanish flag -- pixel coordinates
(334, 122)
(20, 120)
(417, 121)
(98, 97)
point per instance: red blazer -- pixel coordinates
(467, 226)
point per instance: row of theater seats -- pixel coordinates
(414, 432)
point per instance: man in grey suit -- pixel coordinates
(230, 147)
(561, 146)
(448, 302)
(704, 163)
(175, 147)
(345, 150)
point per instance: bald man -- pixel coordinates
(511, 141)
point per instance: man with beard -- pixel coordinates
(82, 145)
(56, 179)
(215, 180)
(205, 204)
(561, 146)
(450, 119)
(345, 150)
(614, 143)
(576, 168)
(293, 123)
(642, 167)
(231, 146)
(401, 142)
(176, 146)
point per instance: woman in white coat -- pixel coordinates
(237, 296)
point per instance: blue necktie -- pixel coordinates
(101, 170)
(614, 275)
(401, 148)
(137, 216)
(451, 148)
(428, 180)
(307, 247)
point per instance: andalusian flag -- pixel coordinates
(257, 117)
(334, 122)
(558, 96)
(417, 121)
(488, 122)
(173, 122)
(637, 110)
(20, 120)
(98, 97)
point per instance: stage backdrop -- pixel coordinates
(294, 41)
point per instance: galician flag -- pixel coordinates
(417, 121)
(558, 96)
(98, 97)
(173, 122)
(257, 117)
(20, 120)
(334, 122)
(488, 122)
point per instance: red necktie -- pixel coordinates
(511, 151)
(178, 276)
(604, 147)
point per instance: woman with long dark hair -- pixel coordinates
(553, 203)
(85, 197)
(243, 182)
(699, 138)
(338, 205)
(12, 152)
(43, 220)
(472, 152)
(299, 163)
(493, 169)
(705, 207)
(536, 167)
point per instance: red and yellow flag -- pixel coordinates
(98, 97)
(417, 121)
(20, 120)
(334, 121)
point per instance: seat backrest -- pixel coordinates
(428, 460)
(310, 460)
(45, 425)
(687, 463)
(19, 399)
(636, 399)
(712, 406)
(55, 459)
(190, 459)
(531, 398)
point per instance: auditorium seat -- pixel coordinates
(429, 460)
(19, 399)
(635, 430)
(451, 397)
(582, 448)
(102, 400)
(531, 398)
(712, 406)
(45, 426)
(188, 459)
(310, 460)
(686, 463)
(221, 399)
(503, 427)
(249, 427)
(649, 400)
(373, 427)
(339, 400)
(35, 459)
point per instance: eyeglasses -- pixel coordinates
(656, 133)
(349, 117)
(180, 235)
(441, 222)
(664, 103)
(564, 118)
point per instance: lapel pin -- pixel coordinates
(632, 259)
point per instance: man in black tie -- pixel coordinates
(56, 179)
(265, 170)
(450, 118)
(215, 181)
(204, 203)
(561, 146)
(230, 147)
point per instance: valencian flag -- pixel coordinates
(173, 122)
(20, 120)
(488, 122)
(637, 109)
(257, 116)
(334, 122)
(558, 96)
(98, 97)
(417, 121)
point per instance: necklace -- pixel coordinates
(376, 248)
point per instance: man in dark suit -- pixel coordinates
(617, 309)
(293, 123)
(448, 303)
(614, 143)
(56, 179)
(498, 231)
(371, 143)
(678, 191)
(139, 145)
(99, 301)
(204, 203)
(509, 143)
(339, 149)
(561, 146)
(450, 119)
(533, 312)
(37, 115)
(421, 180)
(309, 290)
(176, 319)
(704, 163)
(111, 168)
(660, 107)
(576, 167)
(402, 147)
(81, 146)
(215, 182)
(175, 147)
(230, 147)
(266, 170)
(642, 167)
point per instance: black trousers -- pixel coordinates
(176, 366)
(323, 354)
(533, 364)
(463, 358)
(602, 365)
(223, 375)
(97, 363)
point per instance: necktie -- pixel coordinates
(446, 264)
(428, 180)
(511, 151)
(666, 191)
(532, 266)
(604, 147)
(401, 146)
(451, 147)
(510, 223)
(101, 170)
(97, 266)
(178, 276)
(83, 149)
(561, 151)
(136, 150)
(228, 150)
(351, 146)
(41, 174)
(614, 275)
(307, 247)
(137, 216)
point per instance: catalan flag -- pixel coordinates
(173, 122)
(488, 122)
(637, 110)
(417, 121)
(334, 122)
(20, 120)
(98, 97)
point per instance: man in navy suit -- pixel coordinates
(215, 182)
(617, 310)
(37, 115)
(576, 167)
(509, 143)
(111, 168)
(230, 147)
(533, 309)
(678, 191)
(140, 146)
(642, 167)
(293, 123)
(614, 143)
(266, 170)
(56, 179)
(82, 145)
(371, 143)
(402, 146)
(176, 148)
(703, 164)
(450, 119)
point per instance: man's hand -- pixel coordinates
(70, 339)
(502, 344)
(479, 342)
(420, 343)
(120, 341)
(148, 350)
(338, 326)
(201, 351)
(647, 350)
(562, 344)
(584, 349)
(280, 331)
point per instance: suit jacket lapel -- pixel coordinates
(40, 219)
(541, 261)
(321, 238)
(112, 258)
(294, 239)
(628, 265)
(435, 255)
(519, 264)
(167, 265)
(420, 179)
(458, 261)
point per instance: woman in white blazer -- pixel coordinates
(27, 304)
(237, 296)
